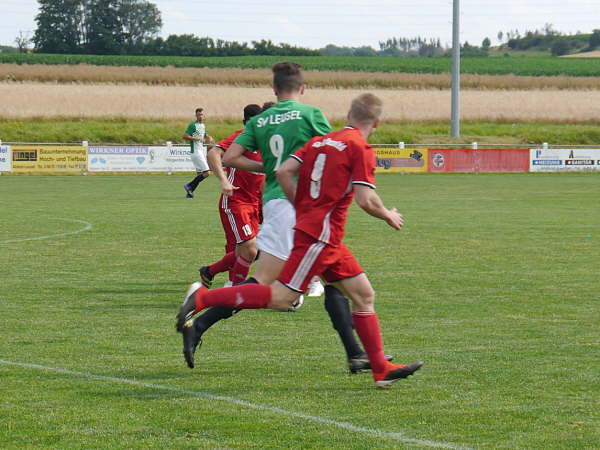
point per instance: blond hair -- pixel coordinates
(366, 108)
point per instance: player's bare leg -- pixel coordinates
(267, 268)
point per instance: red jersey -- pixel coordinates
(331, 165)
(249, 183)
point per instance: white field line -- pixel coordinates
(321, 420)
(88, 226)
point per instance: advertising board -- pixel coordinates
(394, 160)
(48, 159)
(135, 158)
(564, 160)
(480, 160)
(5, 158)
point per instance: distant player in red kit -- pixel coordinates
(239, 208)
(331, 171)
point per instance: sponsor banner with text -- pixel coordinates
(118, 158)
(131, 158)
(48, 159)
(394, 160)
(5, 158)
(564, 160)
(173, 159)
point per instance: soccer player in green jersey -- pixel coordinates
(196, 134)
(276, 133)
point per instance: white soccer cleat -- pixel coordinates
(315, 289)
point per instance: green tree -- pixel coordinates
(58, 26)
(486, 44)
(140, 21)
(595, 40)
(560, 47)
(104, 30)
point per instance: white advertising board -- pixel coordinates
(117, 158)
(5, 164)
(564, 160)
(129, 158)
(172, 159)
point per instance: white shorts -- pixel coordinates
(199, 159)
(276, 235)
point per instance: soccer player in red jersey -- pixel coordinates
(239, 208)
(332, 170)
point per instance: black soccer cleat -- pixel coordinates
(361, 362)
(396, 372)
(206, 277)
(189, 192)
(192, 339)
(186, 311)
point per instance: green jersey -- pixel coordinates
(277, 133)
(196, 129)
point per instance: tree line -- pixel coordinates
(129, 27)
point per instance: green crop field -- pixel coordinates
(493, 283)
(532, 66)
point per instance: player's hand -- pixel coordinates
(228, 189)
(394, 219)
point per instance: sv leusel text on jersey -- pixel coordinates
(275, 119)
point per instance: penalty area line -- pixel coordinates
(87, 226)
(204, 395)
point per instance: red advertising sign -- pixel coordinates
(480, 160)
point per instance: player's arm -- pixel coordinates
(286, 176)
(189, 137)
(371, 203)
(215, 159)
(234, 157)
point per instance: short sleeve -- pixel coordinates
(299, 154)
(225, 143)
(363, 165)
(191, 129)
(247, 138)
(320, 123)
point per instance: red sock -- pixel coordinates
(369, 332)
(245, 296)
(240, 269)
(223, 265)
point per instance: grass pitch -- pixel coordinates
(493, 283)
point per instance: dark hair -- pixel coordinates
(251, 111)
(199, 110)
(267, 105)
(287, 77)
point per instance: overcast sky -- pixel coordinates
(316, 23)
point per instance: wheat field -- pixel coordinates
(48, 100)
(84, 73)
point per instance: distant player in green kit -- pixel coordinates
(277, 133)
(196, 134)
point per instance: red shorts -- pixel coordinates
(311, 258)
(240, 223)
